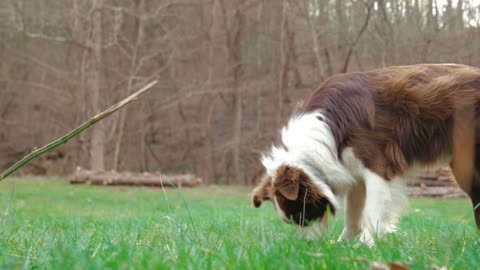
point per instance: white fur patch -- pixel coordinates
(309, 145)
(384, 204)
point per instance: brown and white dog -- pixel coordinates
(361, 134)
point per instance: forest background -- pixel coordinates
(230, 72)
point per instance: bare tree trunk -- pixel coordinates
(283, 78)
(210, 143)
(314, 35)
(209, 140)
(293, 57)
(237, 136)
(132, 74)
(259, 107)
(145, 167)
(357, 38)
(459, 16)
(235, 46)
(210, 39)
(189, 152)
(97, 162)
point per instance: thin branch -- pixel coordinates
(359, 35)
(75, 132)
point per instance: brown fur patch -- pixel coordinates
(296, 194)
(463, 152)
(355, 204)
(287, 182)
(302, 203)
(263, 191)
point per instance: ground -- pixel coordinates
(50, 224)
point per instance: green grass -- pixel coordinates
(49, 224)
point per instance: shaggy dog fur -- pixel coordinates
(361, 134)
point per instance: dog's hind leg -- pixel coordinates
(466, 156)
(475, 185)
(475, 194)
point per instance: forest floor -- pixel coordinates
(50, 224)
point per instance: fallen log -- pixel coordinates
(134, 179)
(442, 174)
(440, 178)
(431, 183)
(440, 192)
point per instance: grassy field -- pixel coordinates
(49, 224)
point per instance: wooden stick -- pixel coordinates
(74, 132)
(133, 179)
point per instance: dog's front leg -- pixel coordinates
(354, 205)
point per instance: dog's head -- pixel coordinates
(295, 196)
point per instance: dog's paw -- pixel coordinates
(366, 238)
(343, 236)
(384, 230)
(349, 234)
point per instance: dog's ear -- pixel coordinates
(263, 191)
(287, 182)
